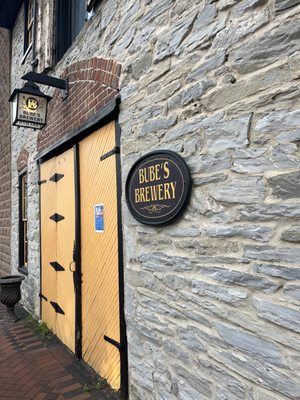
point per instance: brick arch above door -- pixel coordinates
(93, 84)
(22, 160)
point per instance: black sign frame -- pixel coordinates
(185, 192)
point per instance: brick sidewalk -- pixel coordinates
(33, 370)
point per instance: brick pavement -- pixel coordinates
(34, 370)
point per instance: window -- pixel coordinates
(29, 22)
(70, 18)
(23, 244)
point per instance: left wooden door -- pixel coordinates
(57, 244)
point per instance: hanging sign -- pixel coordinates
(99, 217)
(158, 187)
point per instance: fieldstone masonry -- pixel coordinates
(212, 301)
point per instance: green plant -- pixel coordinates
(40, 328)
(90, 388)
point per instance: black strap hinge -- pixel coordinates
(57, 308)
(56, 266)
(41, 182)
(113, 342)
(56, 177)
(43, 297)
(115, 150)
(57, 217)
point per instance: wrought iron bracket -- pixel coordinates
(48, 81)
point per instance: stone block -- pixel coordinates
(202, 36)
(286, 317)
(260, 349)
(141, 65)
(292, 291)
(254, 232)
(269, 212)
(162, 262)
(211, 64)
(158, 124)
(278, 271)
(267, 49)
(291, 234)
(237, 29)
(218, 292)
(206, 180)
(248, 190)
(192, 93)
(207, 163)
(193, 384)
(170, 40)
(281, 5)
(278, 121)
(250, 86)
(289, 136)
(272, 253)
(190, 338)
(285, 186)
(240, 278)
(256, 371)
(229, 134)
(258, 160)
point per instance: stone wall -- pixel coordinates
(5, 171)
(23, 155)
(212, 301)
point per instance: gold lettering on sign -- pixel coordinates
(154, 172)
(166, 170)
(162, 191)
(158, 190)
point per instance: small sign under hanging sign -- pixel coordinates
(99, 217)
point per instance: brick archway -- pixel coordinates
(22, 161)
(93, 84)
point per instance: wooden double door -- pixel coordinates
(80, 252)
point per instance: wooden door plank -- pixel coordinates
(48, 243)
(65, 243)
(99, 254)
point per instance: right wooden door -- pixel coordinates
(99, 254)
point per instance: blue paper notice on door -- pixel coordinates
(99, 217)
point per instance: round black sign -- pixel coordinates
(158, 187)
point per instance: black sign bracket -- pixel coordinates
(48, 81)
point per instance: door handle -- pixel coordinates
(72, 269)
